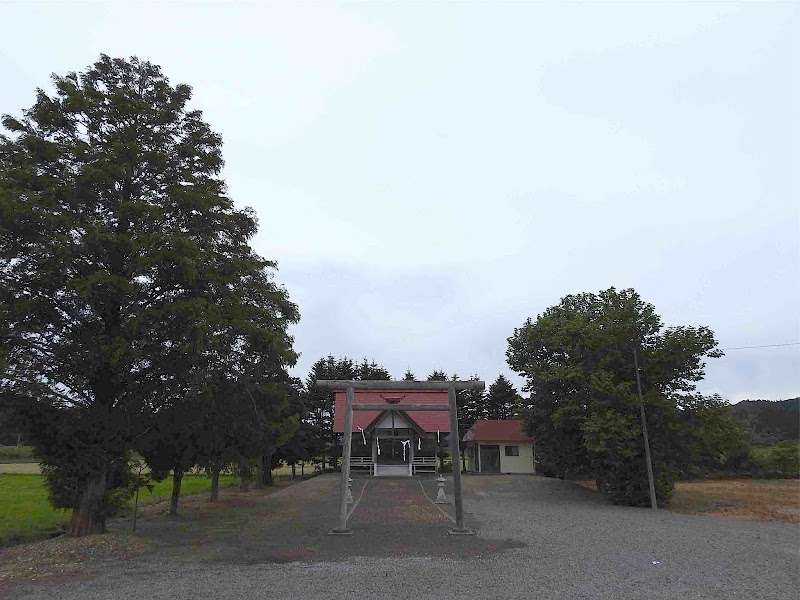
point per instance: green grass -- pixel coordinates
(13, 453)
(191, 484)
(25, 513)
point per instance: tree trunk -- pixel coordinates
(266, 469)
(177, 478)
(214, 485)
(244, 476)
(293, 471)
(87, 517)
(260, 473)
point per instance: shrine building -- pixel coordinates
(395, 442)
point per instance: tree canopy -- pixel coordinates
(577, 359)
(126, 276)
(769, 421)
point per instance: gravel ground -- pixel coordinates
(557, 541)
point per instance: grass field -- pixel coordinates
(19, 468)
(749, 499)
(32, 468)
(25, 513)
(15, 453)
(24, 510)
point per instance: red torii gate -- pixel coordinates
(450, 386)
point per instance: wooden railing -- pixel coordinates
(362, 462)
(424, 463)
(419, 463)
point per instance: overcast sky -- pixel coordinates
(429, 175)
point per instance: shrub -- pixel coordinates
(629, 485)
(781, 460)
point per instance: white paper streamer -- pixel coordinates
(437, 436)
(404, 442)
(363, 437)
(378, 442)
(419, 443)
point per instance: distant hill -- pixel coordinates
(769, 421)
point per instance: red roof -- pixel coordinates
(499, 430)
(428, 421)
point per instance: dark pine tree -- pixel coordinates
(501, 401)
(372, 371)
(437, 375)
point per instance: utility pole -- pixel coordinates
(650, 480)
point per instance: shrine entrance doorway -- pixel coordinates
(394, 451)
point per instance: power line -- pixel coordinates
(767, 346)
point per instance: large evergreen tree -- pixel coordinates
(468, 403)
(577, 358)
(124, 271)
(299, 446)
(501, 400)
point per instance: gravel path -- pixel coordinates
(536, 538)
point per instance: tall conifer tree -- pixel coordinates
(125, 271)
(501, 400)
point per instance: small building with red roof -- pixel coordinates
(499, 446)
(390, 441)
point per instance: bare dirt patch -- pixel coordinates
(63, 558)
